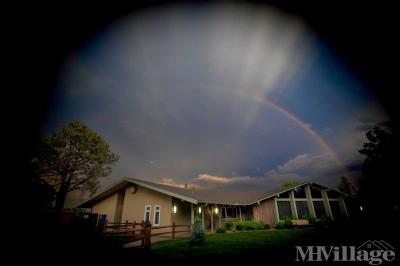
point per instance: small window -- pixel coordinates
(147, 210)
(157, 210)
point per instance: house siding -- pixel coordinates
(137, 197)
(265, 211)
(183, 214)
(107, 206)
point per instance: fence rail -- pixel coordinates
(129, 233)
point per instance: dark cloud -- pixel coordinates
(173, 93)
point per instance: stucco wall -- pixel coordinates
(106, 206)
(135, 202)
(183, 214)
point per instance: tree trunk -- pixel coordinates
(60, 199)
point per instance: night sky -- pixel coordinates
(218, 96)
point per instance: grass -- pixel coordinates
(237, 245)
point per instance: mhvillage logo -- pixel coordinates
(374, 252)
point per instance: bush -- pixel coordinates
(267, 226)
(221, 230)
(323, 221)
(249, 225)
(280, 225)
(198, 234)
(311, 219)
(229, 225)
(287, 221)
(239, 226)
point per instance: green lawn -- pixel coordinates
(234, 245)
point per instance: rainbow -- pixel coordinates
(261, 100)
(292, 117)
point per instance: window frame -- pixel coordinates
(145, 212)
(159, 215)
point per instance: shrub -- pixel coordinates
(311, 219)
(323, 221)
(198, 234)
(267, 226)
(287, 221)
(229, 225)
(221, 230)
(280, 225)
(249, 225)
(239, 226)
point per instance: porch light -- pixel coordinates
(361, 208)
(174, 209)
(216, 210)
(199, 210)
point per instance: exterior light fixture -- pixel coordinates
(199, 210)
(361, 208)
(216, 210)
(174, 209)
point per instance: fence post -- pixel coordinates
(173, 230)
(143, 233)
(105, 226)
(148, 236)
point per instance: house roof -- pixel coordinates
(197, 196)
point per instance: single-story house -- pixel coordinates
(138, 200)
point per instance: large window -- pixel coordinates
(157, 210)
(335, 208)
(302, 208)
(319, 208)
(147, 210)
(284, 209)
(229, 212)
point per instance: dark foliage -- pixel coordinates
(378, 189)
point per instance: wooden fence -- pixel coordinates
(133, 232)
